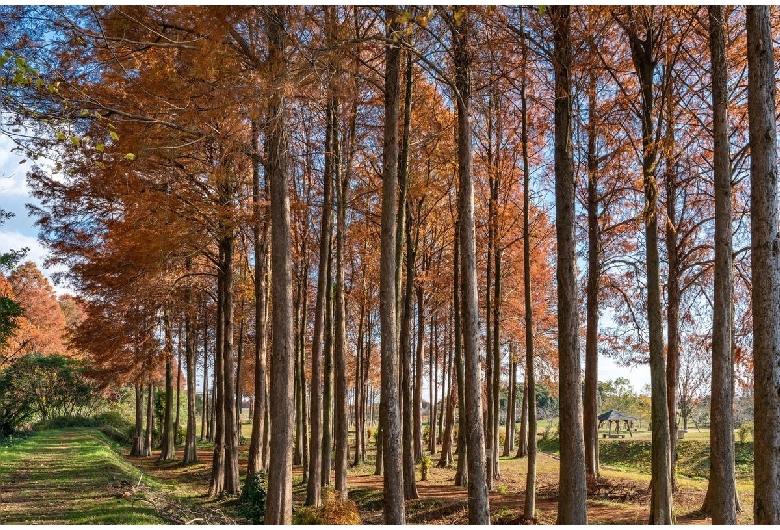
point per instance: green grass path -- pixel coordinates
(68, 476)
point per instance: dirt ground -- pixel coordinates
(616, 498)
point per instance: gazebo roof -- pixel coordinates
(614, 415)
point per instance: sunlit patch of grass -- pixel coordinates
(70, 477)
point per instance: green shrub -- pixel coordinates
(745, 429)
(112, 424)
(547, 433)
(425, 464)
(253, 498)
(44, 387)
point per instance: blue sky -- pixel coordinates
(19, 231)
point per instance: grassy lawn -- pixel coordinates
(69, 476)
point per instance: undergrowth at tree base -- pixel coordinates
(334, 511)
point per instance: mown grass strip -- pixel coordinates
(70, 476)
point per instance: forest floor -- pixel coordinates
(78, 476)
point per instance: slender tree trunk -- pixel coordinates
(404, 230)
(177, 421)
(496, 348)
(301, 362)
(314, 487)
(327, 381)
(494, 304)
(489, 361)
(168, 449)
(204, 410)
(529, 397)
(147, 449)
(591, 407)
(279, 503)
(509, 435)
(366, 387)
(379, 464)
(445, 459)
(218, 461)
(403, 189)
(440, 404)
(297, 446)
(643, 53)
(721, 499)
(522, 438)
(138, 433)
(394, 512)
(478, 502)
(341, 431)
(410, 485)
(572, 497)
(302, 383)
(461, 472)
(418, 372)
(432, 387)
(260, 233)
(267, 432)
(190, 332)
(212, 433)
(231, 485)
(360, 411)
(765, 264)
(673, 289)
(239, 363)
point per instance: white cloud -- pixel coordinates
(13, 180)
(10, 239)
(638, 375)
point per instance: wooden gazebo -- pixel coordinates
(616, 416)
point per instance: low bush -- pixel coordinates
(425, 464)
(333, 511)
(253, 498)
(745, 430)
(112, 424)
(44, 387)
